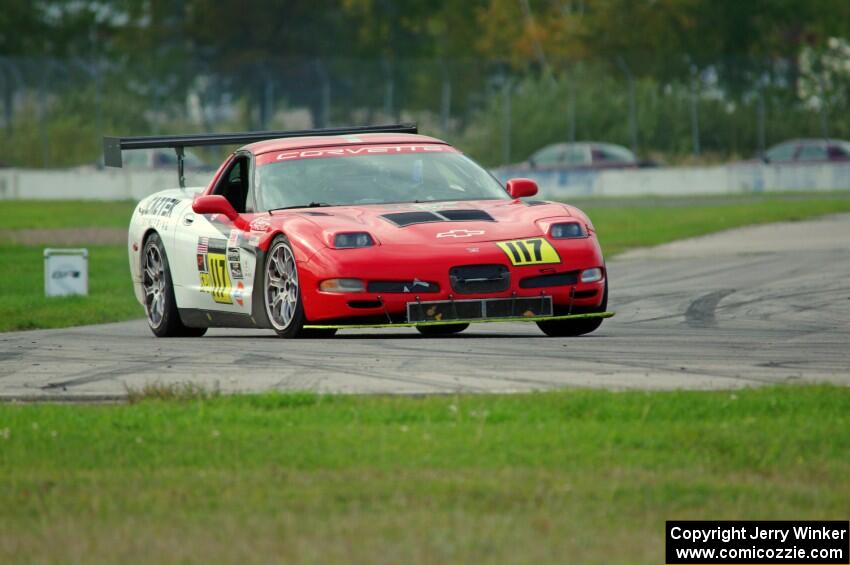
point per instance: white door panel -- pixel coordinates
(214, 265)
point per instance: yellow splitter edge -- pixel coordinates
(451, 322)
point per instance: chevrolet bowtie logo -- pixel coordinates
(460, 233)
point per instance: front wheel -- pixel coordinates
(572, 328)
(442, 329)
(281, 291)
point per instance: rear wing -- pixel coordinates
(112, 146)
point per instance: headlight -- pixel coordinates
(353, 240)
(567, 230)
(591, 275)
(342, 285)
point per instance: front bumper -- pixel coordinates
(434, 265)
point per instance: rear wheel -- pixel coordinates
(442, 329)
(572, 328)
(160, 306)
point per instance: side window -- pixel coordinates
(549, 156)
(839, 151)
(233, 184)
(812, 152)
(612, 154)
(577, 155)
(780, 153)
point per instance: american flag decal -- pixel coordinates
(203, 244)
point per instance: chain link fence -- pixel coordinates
(55, 112)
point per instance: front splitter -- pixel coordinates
(454, 322)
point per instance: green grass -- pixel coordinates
(54, 214)
(23, 305)
(622, 224)
(573, 476)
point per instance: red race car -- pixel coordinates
(308, 232)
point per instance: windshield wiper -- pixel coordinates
(310, 205)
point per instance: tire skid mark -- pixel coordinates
(700, 313)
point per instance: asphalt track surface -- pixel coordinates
(759, 305)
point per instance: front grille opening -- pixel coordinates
(414, 286)
(364, 303)
(402, 219)
(475, 279)
(585, 293)
(466, 215)
(557, 279)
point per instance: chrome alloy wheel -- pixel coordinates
(281, 286)
(153, 283)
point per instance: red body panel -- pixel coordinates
(432, 264)
(415, 252)
(425, 251)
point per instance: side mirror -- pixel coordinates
(518, 188)
(218, 204)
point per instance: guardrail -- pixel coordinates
(683, 181)
(88, 183)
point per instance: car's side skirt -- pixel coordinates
(200, 318)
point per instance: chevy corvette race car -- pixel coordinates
(310, 231)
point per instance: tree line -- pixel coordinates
(500, 77)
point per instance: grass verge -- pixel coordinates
(622, 224)
(579, 476)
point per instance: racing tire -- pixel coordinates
(573, 328)
(281, 291)
(160, 306)
(442, 329)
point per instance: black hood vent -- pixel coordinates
(469, 215)
(402, 219)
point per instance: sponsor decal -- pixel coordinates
(473, 249)
(254, 241)
(159, 206)
(239, 294)
(534, 251)
(460, 233)
(216, 280)
(235, 261)
(203, 246)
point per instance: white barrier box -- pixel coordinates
(66, 272)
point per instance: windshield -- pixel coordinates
(370, 175)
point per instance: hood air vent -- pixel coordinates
(402, 219)
(466, 215)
